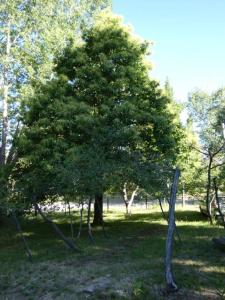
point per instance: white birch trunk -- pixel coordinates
(134, 193)
(128, 202)
(5, 122)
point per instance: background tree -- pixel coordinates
(188, 160)
(32, 33)
(203, 109)
(221, 129)
(192, 179)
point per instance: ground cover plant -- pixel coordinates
(127, 264)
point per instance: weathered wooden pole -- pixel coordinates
(170, 282)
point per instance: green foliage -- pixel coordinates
(32, 34)
(204, 110)
(101, 119)
(221, 130)
(190, 162)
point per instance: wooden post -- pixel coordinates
(170, 282)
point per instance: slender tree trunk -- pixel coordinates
(5, 122)
(183, 194)
(218, 202)
(128, 202)
(81, 219)
(71, 220)
(170, 282)
(69, 243)
(89, 222)
(98, 210)
(19, 229)
(163, 213)
(134, 193)
(208, 189)
(125, 197)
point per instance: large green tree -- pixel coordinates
(101, 118)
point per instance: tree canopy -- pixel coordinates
(32, 33)
(101, 118)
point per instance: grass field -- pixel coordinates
(127, 264)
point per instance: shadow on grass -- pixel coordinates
(187, 216)
(136, 242)
(136, 232)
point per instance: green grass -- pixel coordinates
(129, 262)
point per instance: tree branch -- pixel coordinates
(218, 165)
(200, 151)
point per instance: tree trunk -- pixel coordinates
(71, 220)
(17, 223)
(81, 219)
(183, 194)
(128, 202)
(98, 210)
(125, 197)
(170, 282)
(69, 243)
(134, 193)
(218, 202)
(5, 123)
(89, 223)
(208, 203)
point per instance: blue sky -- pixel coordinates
(189, 40)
